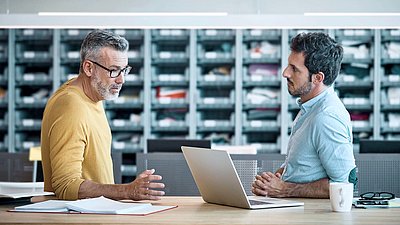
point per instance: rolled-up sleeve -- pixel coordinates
(333, 143)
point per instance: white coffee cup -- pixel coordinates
(341, 196)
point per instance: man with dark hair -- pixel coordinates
(320, 148)
(76, 136)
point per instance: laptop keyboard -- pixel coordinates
(255, 202)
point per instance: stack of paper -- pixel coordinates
(16, 190)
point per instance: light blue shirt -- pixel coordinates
(320, 144)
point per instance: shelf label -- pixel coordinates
(211, 32)
(210, 55)
(133, 54)
(165, 55)
(210, 123)
(256, 123)
(256, 78)
(256, 32)
(164, 123)
(120, 100)
(28, 32)
(119, 145)
(28, 77)
(164, 100)
(73, 32)
(28, 122)
(132, 77)
(29, 54)
(165, 32)
(394, 77)
(28, 144)
(120, 32)
(28, 100)
(348, 78)
(360, 32)
(209, 100)
(73, 55)
(394, 55)
(210, 78)
(118, 123)
(176, 32)
(395, 32)
(163, 77)
(255, 55)
(348, 32)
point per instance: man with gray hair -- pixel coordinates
(76, 136)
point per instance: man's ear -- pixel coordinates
(319, 77)
(87, 68)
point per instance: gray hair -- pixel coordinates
(99, 39)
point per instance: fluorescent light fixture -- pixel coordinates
(351, 14)
(132, 14)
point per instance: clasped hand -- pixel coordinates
(269, 184)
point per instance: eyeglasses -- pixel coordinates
(377, 196)
(114, 73)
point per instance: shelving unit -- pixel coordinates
(224, 85)
(3, 89)
(215, 96)
(355, 83)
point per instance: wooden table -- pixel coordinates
(193, 210)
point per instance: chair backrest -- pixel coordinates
(375, 172)
(179, 181)
(35, 154)
(378, 172)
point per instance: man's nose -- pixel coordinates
(120, 79)
(285, 74)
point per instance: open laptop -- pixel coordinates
(218, 182)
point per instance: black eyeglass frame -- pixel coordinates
(126, 70)
(377, 196)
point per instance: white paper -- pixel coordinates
(22, 189)
(100, 205)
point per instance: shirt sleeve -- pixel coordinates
(67, 140)
(332, 138)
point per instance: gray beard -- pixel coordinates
(103, 90)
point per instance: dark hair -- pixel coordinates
(98, 39)
(321, 52)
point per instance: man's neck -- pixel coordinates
(83, 82)
(313, 93)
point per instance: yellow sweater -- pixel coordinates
(75, 142)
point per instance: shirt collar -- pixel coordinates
(310, 103)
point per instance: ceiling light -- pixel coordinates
(132, 14)
(350, 14)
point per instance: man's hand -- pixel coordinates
(269, 184)
(142, 187)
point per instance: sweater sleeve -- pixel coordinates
(67, 140)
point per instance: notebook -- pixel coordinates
(99, 205)
(218, 182)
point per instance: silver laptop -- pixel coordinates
(218, 182)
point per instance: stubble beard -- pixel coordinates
(104, 90)
(303, 90)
